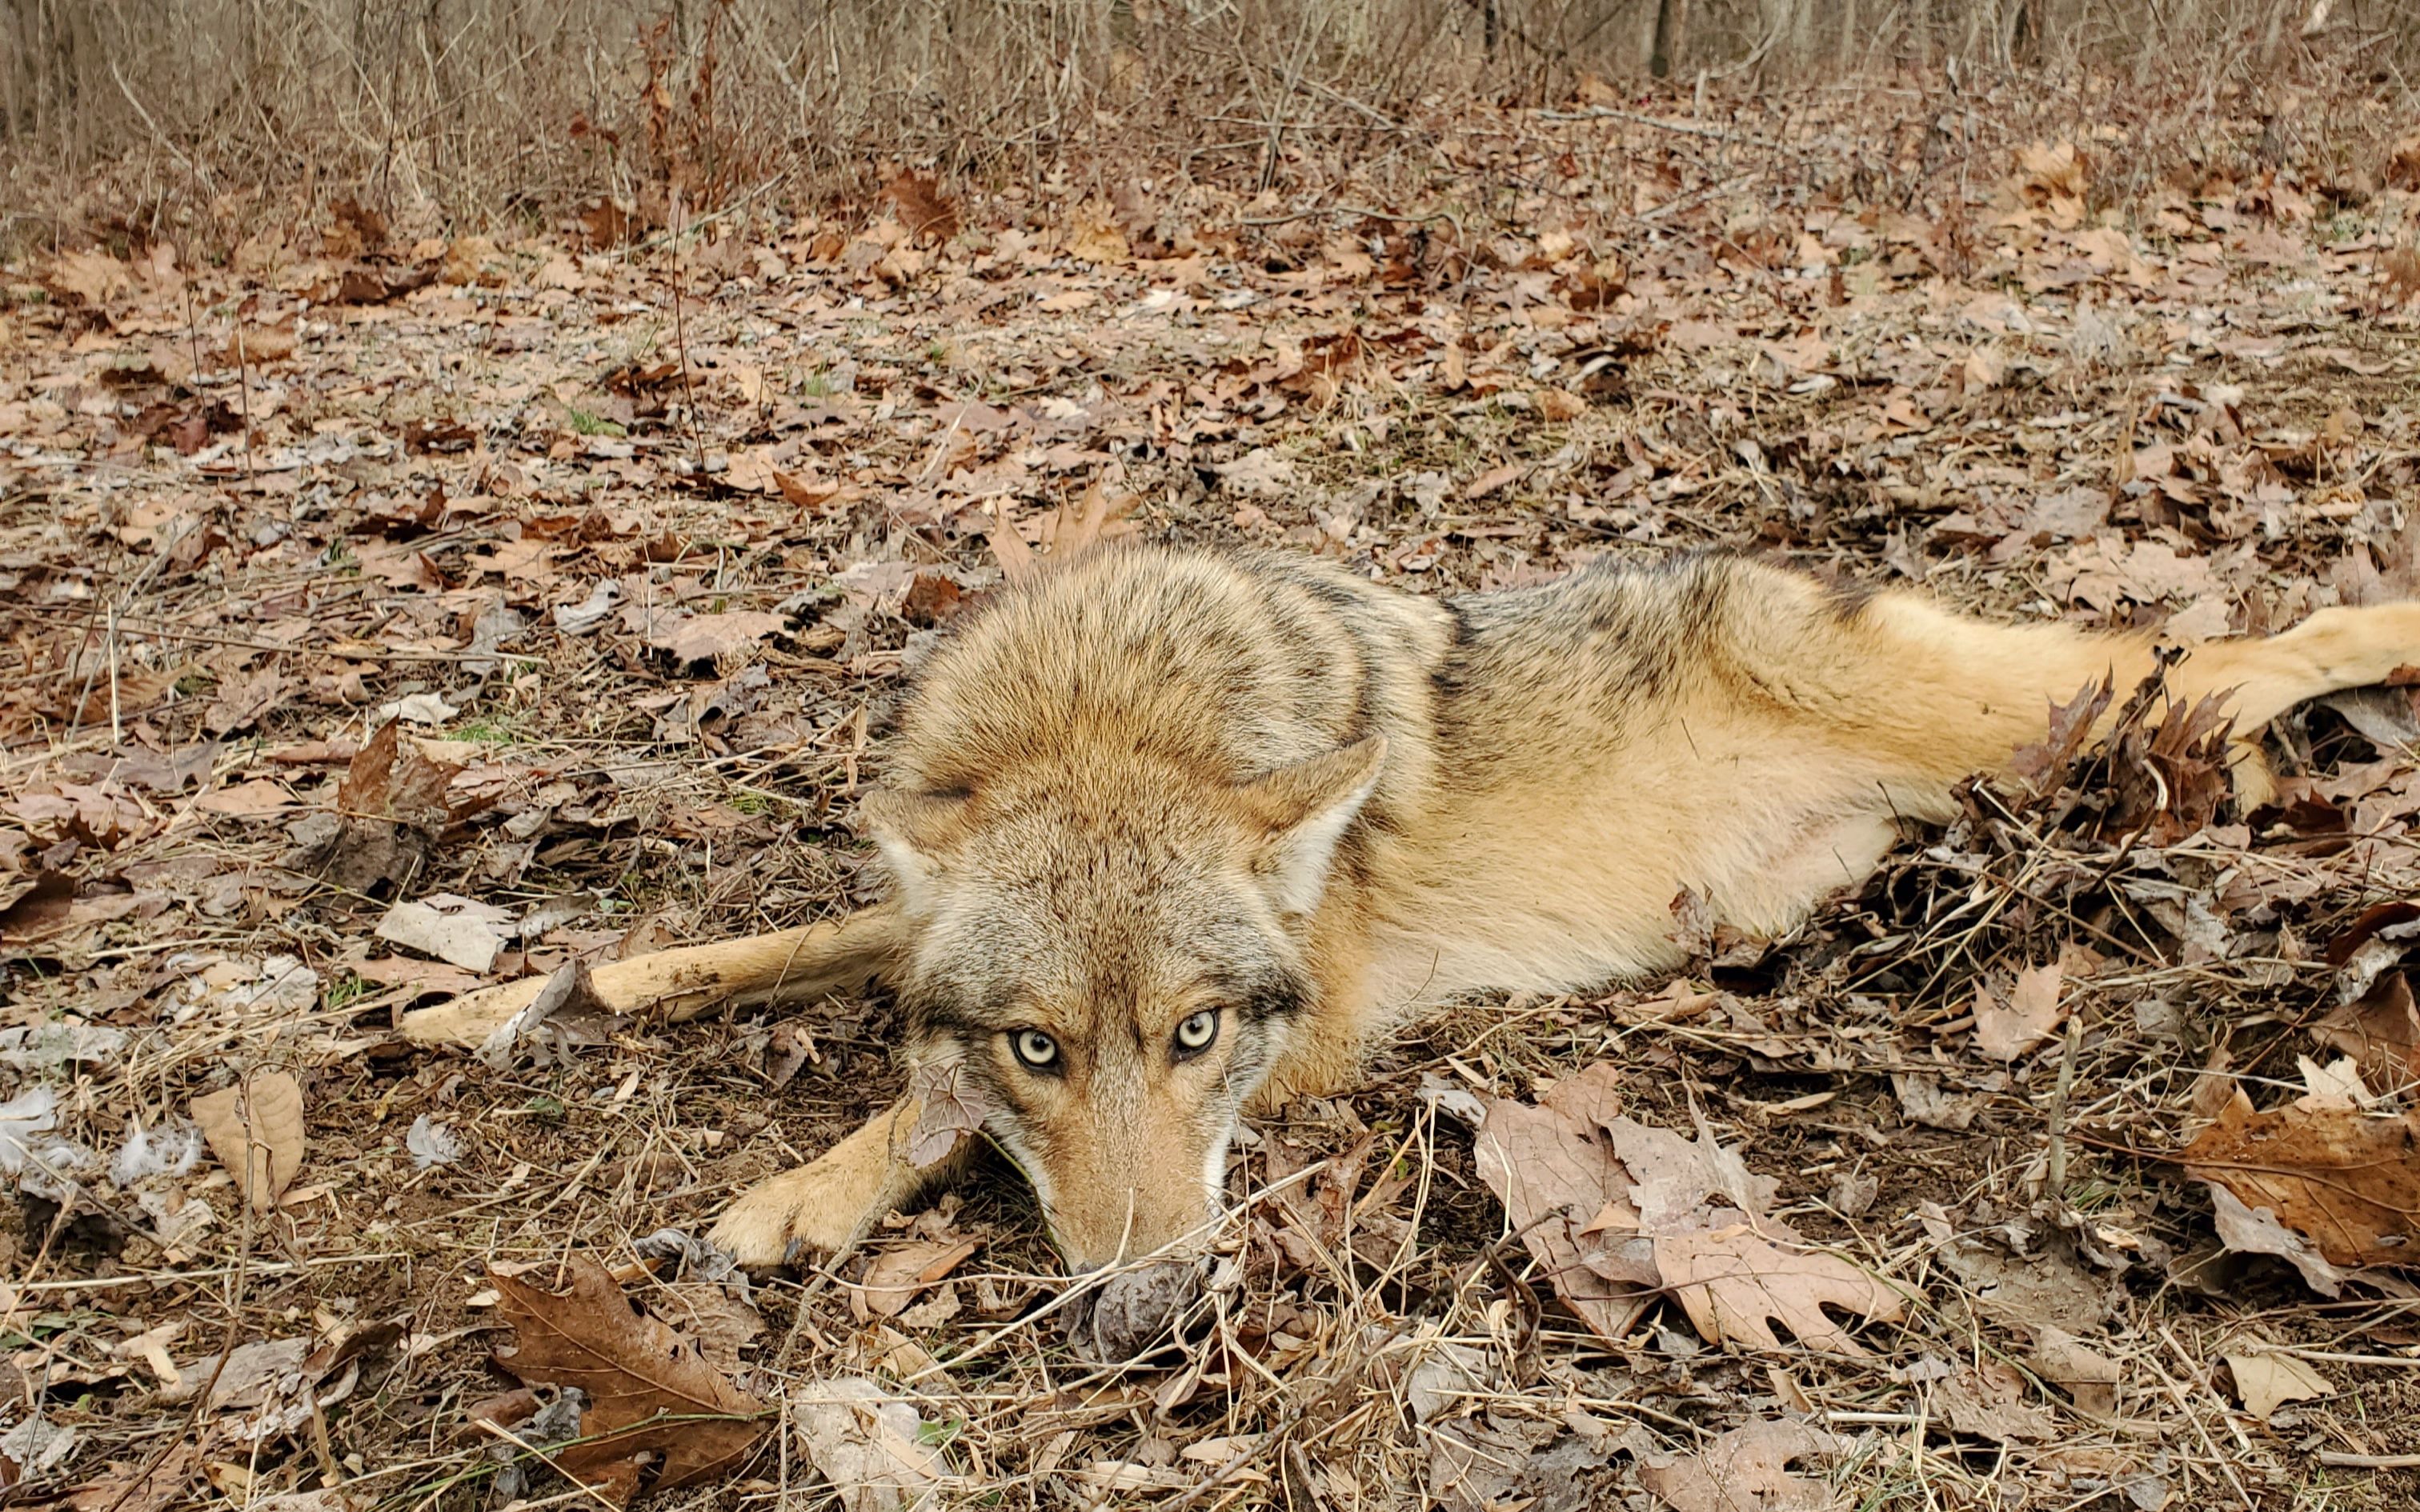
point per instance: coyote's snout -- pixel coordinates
(1175, 833)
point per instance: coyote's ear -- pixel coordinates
(911, 830)
(1307, 808)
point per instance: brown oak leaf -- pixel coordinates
(650, 1391)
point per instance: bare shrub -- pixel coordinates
(459, 109)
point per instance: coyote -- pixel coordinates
(1178, 835)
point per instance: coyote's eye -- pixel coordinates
(1035, 1048)
(1194, 1035)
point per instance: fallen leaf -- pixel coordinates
(256, 1130)
(1262, 472)
(1988, 1403)
(238, 704)
(1922, 1100)
(36, 906)
(1131, 1312)
(1556, 1174)
(1735, 1285)
(247, 800)
(897, 1274)
(1746, 1469)
(251, 1372)
(1614, 1210)
(922, 208)
(144, 1486)
(394, 778)
(2086, 1375)
(2337, 1084)
(1094, 237)
(1561, 405)
(419, 708)
(2031, 1014)
(1672, 1179)
(49, 1045)
(2379, 1030)
(951, 1106)
(2045, 1289)
(590, 612)
(713, 637)
(1493, 480)
(566, 1011)
(720, 1322)
(2256, 1231)
(647, 1389)
(432, 1144)
(36, 1447)
(753, 473)
(2266, 1381)
(460, 932)
(425, 977)
(2348, 1181)
(869, 1443)
(91, 278)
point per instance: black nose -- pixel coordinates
(1133, 1311)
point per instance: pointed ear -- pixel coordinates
(1307, 808)
(911, 830)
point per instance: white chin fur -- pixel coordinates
(1214, 1172)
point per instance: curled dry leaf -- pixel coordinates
(897, 1274)
(2256, 1231)
(392, 778)
(1990, 1403)
(2031, 1014)
(256, 1130)
(2076, 1368)
(2347, 1180)
(566, 1011)
(650, 1391)
(1131, 1312)
(952, 1105)
(2379, 1030)
(1748, 1468)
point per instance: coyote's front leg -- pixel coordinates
(833, 1200)
(794, 965)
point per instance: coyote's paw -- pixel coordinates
(819, 1207)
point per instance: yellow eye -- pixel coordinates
(1035, 1048)
(1194, 1035)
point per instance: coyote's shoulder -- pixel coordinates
(1175, 830)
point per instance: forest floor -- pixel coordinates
(387, 613)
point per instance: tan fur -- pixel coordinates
(1159, 782)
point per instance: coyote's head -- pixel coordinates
(1117, 949)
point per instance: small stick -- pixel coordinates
(680, 336)
(2353, 1461)
(2054, 1163)
(116, 726)
(243, 394)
